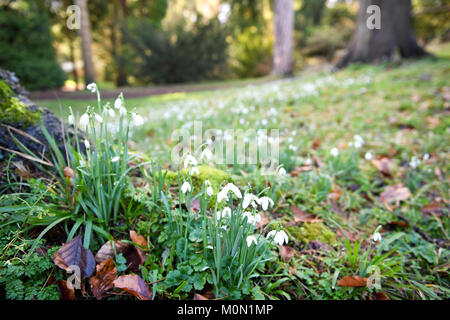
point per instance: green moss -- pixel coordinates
(12, 111)
(313, 231)
(215, 176)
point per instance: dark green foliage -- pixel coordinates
(26, 46)
(178, 55)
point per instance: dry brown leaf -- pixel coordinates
(384, 165)
(350, 236)
(334, 195)
(104, 278)
(352, 281)
(106, 251)
(287, 253)
(199, 297)
(67, 291)
(395, 194)
(131, 253)
(73, 254)
(134, 285)
(432, 122)
(300, 169)
(138, 239)
(264, 220)
(195, 205)
(302, 216)
(435, 208)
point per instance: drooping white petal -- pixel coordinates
(70, 119)
(206, 154)
(87, 144)
(115, 159)
(265, 201)
(98, 118)
(92, 87)
(250, 240)
(186, 187)
(209, 191)
(118, 103)
(84, 120)
(190, 160)
(334, 152)
(194, 170)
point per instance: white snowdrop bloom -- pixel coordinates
(84, 120)
(115, 159)
(358, 140)
(194, 170)
(190, 160)
(209, 191)
(209, 247)
(186, 187)
(292, 148)
(206, 154)
(118, 103)
(308, 162)
(87, 144)
(98, 118)
(264, 122)
(70, 119)
(290, 140)
(334, 152)
(250, 240)
(137, 119)
(223, 194)
(265, 201)
(377, 237)
(368, 156)
(111, 112)
(225, 213)
(281, 172)
(123, 111)
(279, 237)
(250, 199)
(414, 162)
(426, 157)
(242, 121)
(92, 87)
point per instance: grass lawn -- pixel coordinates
(389, 125)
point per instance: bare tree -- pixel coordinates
(283, 53)
(396, 32)
(86, 42)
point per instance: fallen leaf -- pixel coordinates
(384, 165)
(199, 297)
(104, 278)
(68, 172)
(379, 296)
(106, 251)
(352, 281)
(138, 239)
(350, 236)
(302, 216)
(395, 193)
(432, 122)
(67, 291)
(21, 170)
(300, 169)
(195, 205)
(72, 255)
(433, 208)
(287, 253)
(134, 285)
(316, 143)
(317, 245)
(334, 195)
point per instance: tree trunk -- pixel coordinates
(121, 60)
(396, 33)
(86, 42)
(283, 53)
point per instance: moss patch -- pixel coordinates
(313, 231)
(12, 111)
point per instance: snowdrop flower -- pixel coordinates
(194, 170)
(87, 144)
(358, 141)
(98, 118)
(308, 162)
(334, 152)
(70, 119)
(292, 148)
(264, 202)
(137, 119)
(186, 187)
(368, 156)
(206, 154)
(123, 111)
(84, 120)
(226, 213)
(209, 189)
(281, 172)
(414, 162)
(250, 240)
(190, 160)
(115, 159)
(250, 199)
(377, 237)
(279, 237)
(426, 157)
(111, 112)
(92, 87)
(118, 103)
(223, 194)
(252, 219)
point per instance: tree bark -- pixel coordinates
(121, 80)
(396, 33)
(283, 53)
(86, 42)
